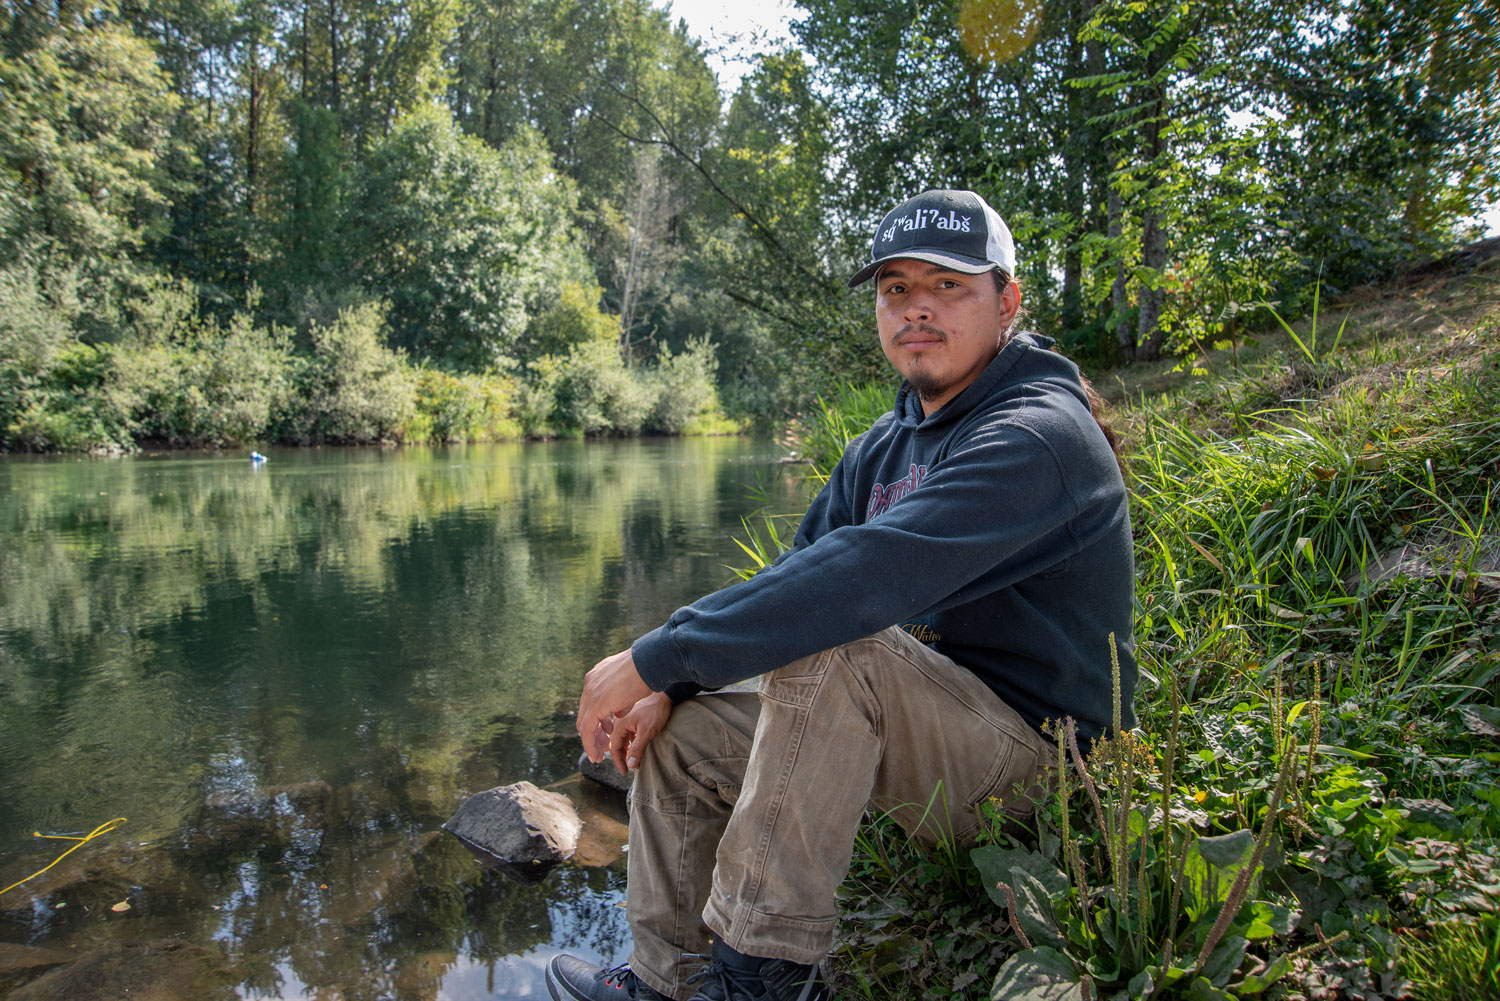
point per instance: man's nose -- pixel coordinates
(918, 308)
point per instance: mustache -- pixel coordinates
(920, 328)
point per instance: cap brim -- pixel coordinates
(957, 262)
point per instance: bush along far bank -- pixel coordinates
(175, 378)
(1310, 807)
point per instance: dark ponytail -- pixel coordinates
(1097, 403)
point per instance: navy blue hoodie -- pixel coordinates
(995, 530)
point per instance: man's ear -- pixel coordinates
(1010, 304)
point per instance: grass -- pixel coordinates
(1310, 806)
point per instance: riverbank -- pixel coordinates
(1310, 806)
(174, 379)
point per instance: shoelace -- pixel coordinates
(730, 979)
(747, 983)
(620, 976)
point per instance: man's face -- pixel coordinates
(940, 328)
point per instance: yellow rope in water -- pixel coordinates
(102, 829)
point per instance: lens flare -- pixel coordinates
(997, 31)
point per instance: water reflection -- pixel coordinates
(286, 677)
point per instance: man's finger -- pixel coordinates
(598, 747)
(624, 737)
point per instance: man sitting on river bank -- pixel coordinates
(985, 514)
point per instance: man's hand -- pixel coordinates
(634, 731)
(612, 688)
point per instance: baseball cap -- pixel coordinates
(956, 229)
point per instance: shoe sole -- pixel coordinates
(553, 988)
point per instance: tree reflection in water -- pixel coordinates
(287, 678)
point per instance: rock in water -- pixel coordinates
(604, 773)
(519, 829)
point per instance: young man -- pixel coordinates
(952, 587)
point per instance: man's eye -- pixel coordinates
(948, 283)
(894, 289)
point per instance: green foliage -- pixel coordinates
(767, 241)
(37, 312)
(573, 318)
(353, 389)
(579, 384)
(81, 128)
(75, 408)
(684, 398)
(462, 408)
(1163, 166)
(218, 385)
(1390, 161)
(594, 392)
(827, 431)
(1168, 912)
(461, 239)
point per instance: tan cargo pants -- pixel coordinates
(744, 811)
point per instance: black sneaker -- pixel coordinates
(774, 980)
(571, 979)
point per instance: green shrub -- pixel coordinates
(35, 327)
(574, 318)
(682, 387)
(536, 397)
(596, 394)
(462, 408)
(161, 311)
(219, 385)
(75, 405)
(353, 389)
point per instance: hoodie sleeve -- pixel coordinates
(998, 509)
(829, 509)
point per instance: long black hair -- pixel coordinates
(1097, 403)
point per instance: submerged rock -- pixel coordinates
(289, 816)
(606, 828)
(163, 970)
(604, 773)
(518, 829)
(15, 958)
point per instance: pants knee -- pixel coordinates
(797, 682)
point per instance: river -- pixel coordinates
(286, 676)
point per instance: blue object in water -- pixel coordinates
(257, 458)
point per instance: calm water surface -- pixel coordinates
(287, 677)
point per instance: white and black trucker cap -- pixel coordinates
(956, 229)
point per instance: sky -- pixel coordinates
(731, 29)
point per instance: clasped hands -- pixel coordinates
(618, 713)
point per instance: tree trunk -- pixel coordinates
(1118, 294)
(1077, 156)
(252, 147)
(333, 63)
(252, 138)
(630, 295)
(306, 4)
(1148, 336)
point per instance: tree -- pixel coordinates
(464, 241)
(1392, 123)
(599, 81)
(82, 124)
(768, 242)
